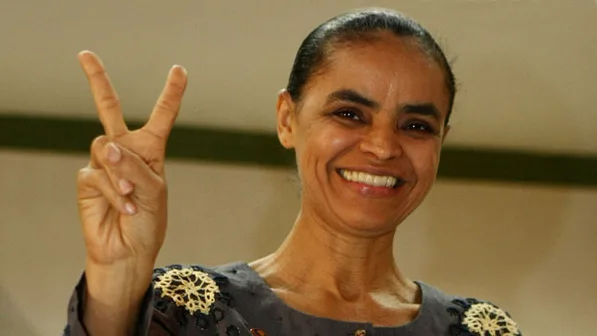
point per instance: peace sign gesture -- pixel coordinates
(121, 194)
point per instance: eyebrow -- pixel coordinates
(351, 96)
(348, 95)
(425, 109)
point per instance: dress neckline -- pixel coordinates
(269, 294)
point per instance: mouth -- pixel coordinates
(379, 181)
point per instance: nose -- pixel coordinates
(383, 143)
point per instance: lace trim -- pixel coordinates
(482, 319)
(193, 289)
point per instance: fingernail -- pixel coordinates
(113, 153)
(184, 71)
(125, 186)
(130, 208)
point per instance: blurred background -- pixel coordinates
(512, 219)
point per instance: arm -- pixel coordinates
(122, 203)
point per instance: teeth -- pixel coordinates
(373, 180)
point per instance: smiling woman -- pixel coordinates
(377, 109)
(366, 111)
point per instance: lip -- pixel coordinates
(372, 191)
(375, 171)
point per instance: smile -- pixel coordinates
(369, 179)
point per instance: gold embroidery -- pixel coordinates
(486, 319)
(194, 290)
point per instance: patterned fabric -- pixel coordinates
(188, 288)
(233, 300)
(481, 318)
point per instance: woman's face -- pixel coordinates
(367, 134)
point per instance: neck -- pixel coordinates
(316, 258)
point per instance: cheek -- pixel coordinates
(325, 143)
(337, 143)
(424, 158)
(318, 150)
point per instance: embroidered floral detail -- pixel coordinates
(481, 319)
(189, 288)
(484, 318)
(202, 322)
(218, 315)
(232, 331)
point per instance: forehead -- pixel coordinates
(388, 69)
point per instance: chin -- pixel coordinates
(368, 223)
(375, 216)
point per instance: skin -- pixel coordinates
(337, 262)
(122, 202)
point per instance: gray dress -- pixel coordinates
(234, 300)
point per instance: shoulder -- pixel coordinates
(467, 316)
(197, 297)
(215, 281)
(190, 286)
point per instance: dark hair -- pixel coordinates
(357, 26)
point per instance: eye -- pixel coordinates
(419, 126)
(348, 114)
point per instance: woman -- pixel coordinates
(366, 111)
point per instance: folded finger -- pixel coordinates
(103, 156)
(98, 180)
(126, 167)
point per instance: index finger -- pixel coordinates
(166, 109)
(104, 95)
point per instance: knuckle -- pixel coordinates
(108, 102)
(160, 185)
(177, 89)
(98, 143)
(98, 73)
(167, 104)
(85, 175)
(82, 175)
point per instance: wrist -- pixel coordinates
(113, 298)
(122, 282)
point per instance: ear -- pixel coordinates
(285, 113)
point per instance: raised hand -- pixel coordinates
(122, 195)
